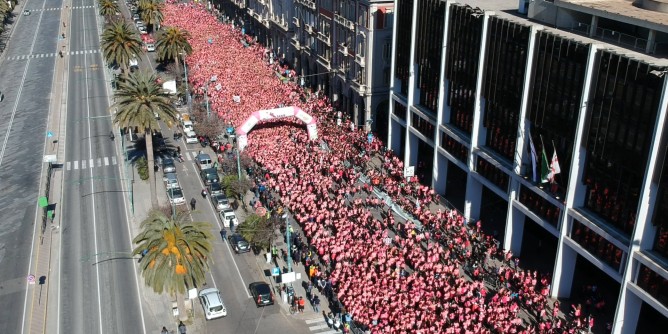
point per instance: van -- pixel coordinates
(191, 137)
(204, 161)
(171, 182)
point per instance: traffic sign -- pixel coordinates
(276, 271)
(49, 134)
(31, 279)
(409, 171)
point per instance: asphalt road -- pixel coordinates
(98, 289)
(26, 82)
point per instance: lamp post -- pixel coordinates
(185, 71)
(287, 236)
(206, 94)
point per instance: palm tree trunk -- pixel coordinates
(181, 304)
(151, 165)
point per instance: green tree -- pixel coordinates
(172, 44)
(138, 100)
(108, 9)
(235, 188)
(150, 12)
(258, 230)
(120, 43)
(176, 254)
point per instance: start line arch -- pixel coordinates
(267, 114)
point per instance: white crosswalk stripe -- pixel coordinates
(91, 163)
(319, 326)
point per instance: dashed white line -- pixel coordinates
(106, 161)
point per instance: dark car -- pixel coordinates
(238, 243)
(215, 188)
(168, 165)
(209, 176)
(261, 293)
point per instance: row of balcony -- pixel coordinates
(344, 22)
(307, 3)
(360, 60)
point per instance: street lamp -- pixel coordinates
(185, 70)
(206, 94)
(287, 236)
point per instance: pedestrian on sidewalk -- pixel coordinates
(301, 303)
(193, 201)
(164, 330)
(182, 328)
(309, 287)
(316, 304)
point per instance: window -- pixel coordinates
(386, 76)
(363, 16)
(387, 51)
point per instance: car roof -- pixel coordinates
(203, 155)
(259, 286)
(170, 176)
(213, 295)
(167, 161)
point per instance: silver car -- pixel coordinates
(175, 196)
(220, 202)
(168, 166)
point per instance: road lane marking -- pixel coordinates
(106, 161)
(92, 164)
(314, 321)
(113, 160)
(83, 164)
(99, 162)
(69, 165)
(319, 327)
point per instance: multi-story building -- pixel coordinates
(481, 94)
(338, 47)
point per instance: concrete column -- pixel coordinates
(440, 172)
(412, 152)
(565, 261)
(564, 270)
(514, 230)
(593, 26)
(651, 39)
(627, 322)
(413, 94)
(477, 108)
(473, 198)
(643, 231)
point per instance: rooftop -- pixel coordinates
(621, 9)
(508, 10)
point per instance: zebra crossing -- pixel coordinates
(53, 54)
(319, 326)
(90, 163)
(190, 155)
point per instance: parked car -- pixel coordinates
(261, 293)
(168, 165)
(215, 188)
(142, 30)
(212, 303)
(209, 176)
(191, 137)
(203, 161)
(150, 47)
(171, 182)
(175, 196)
(228, 215)
(220, 201)
(238, 243)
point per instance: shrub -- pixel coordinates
(142, 168)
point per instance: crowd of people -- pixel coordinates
(427, 275)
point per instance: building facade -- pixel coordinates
(481, 95)
(341, 48)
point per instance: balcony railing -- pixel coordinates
(343, 50)
(323, 38)
(360, 60)
(309, 28)
(295, 21)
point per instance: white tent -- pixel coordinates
(170, 86)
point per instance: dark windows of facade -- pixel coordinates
(622, 114)
(503, 82)
(493, 174)
(540, 206)
(457, 149)
(661, 241)
(403, 49)
(464, 40)
(400, 110)
(597, 245)
(429, 47)
(426, 128)
(555, 96)
(654, 284)
(660, 212)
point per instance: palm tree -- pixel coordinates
(120, 43)
(108, 9)
(175, 254)
(138, 99)
(171, 43)
(151, 13)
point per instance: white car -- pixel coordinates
(212, 303)
(228, 215)
(150, 47)
(142, 30)
(175, 196)
(220, 201)
(191, 137)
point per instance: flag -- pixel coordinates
(544, 168)
(534, 157)
(554, 167)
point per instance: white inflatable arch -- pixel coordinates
(263, 115)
